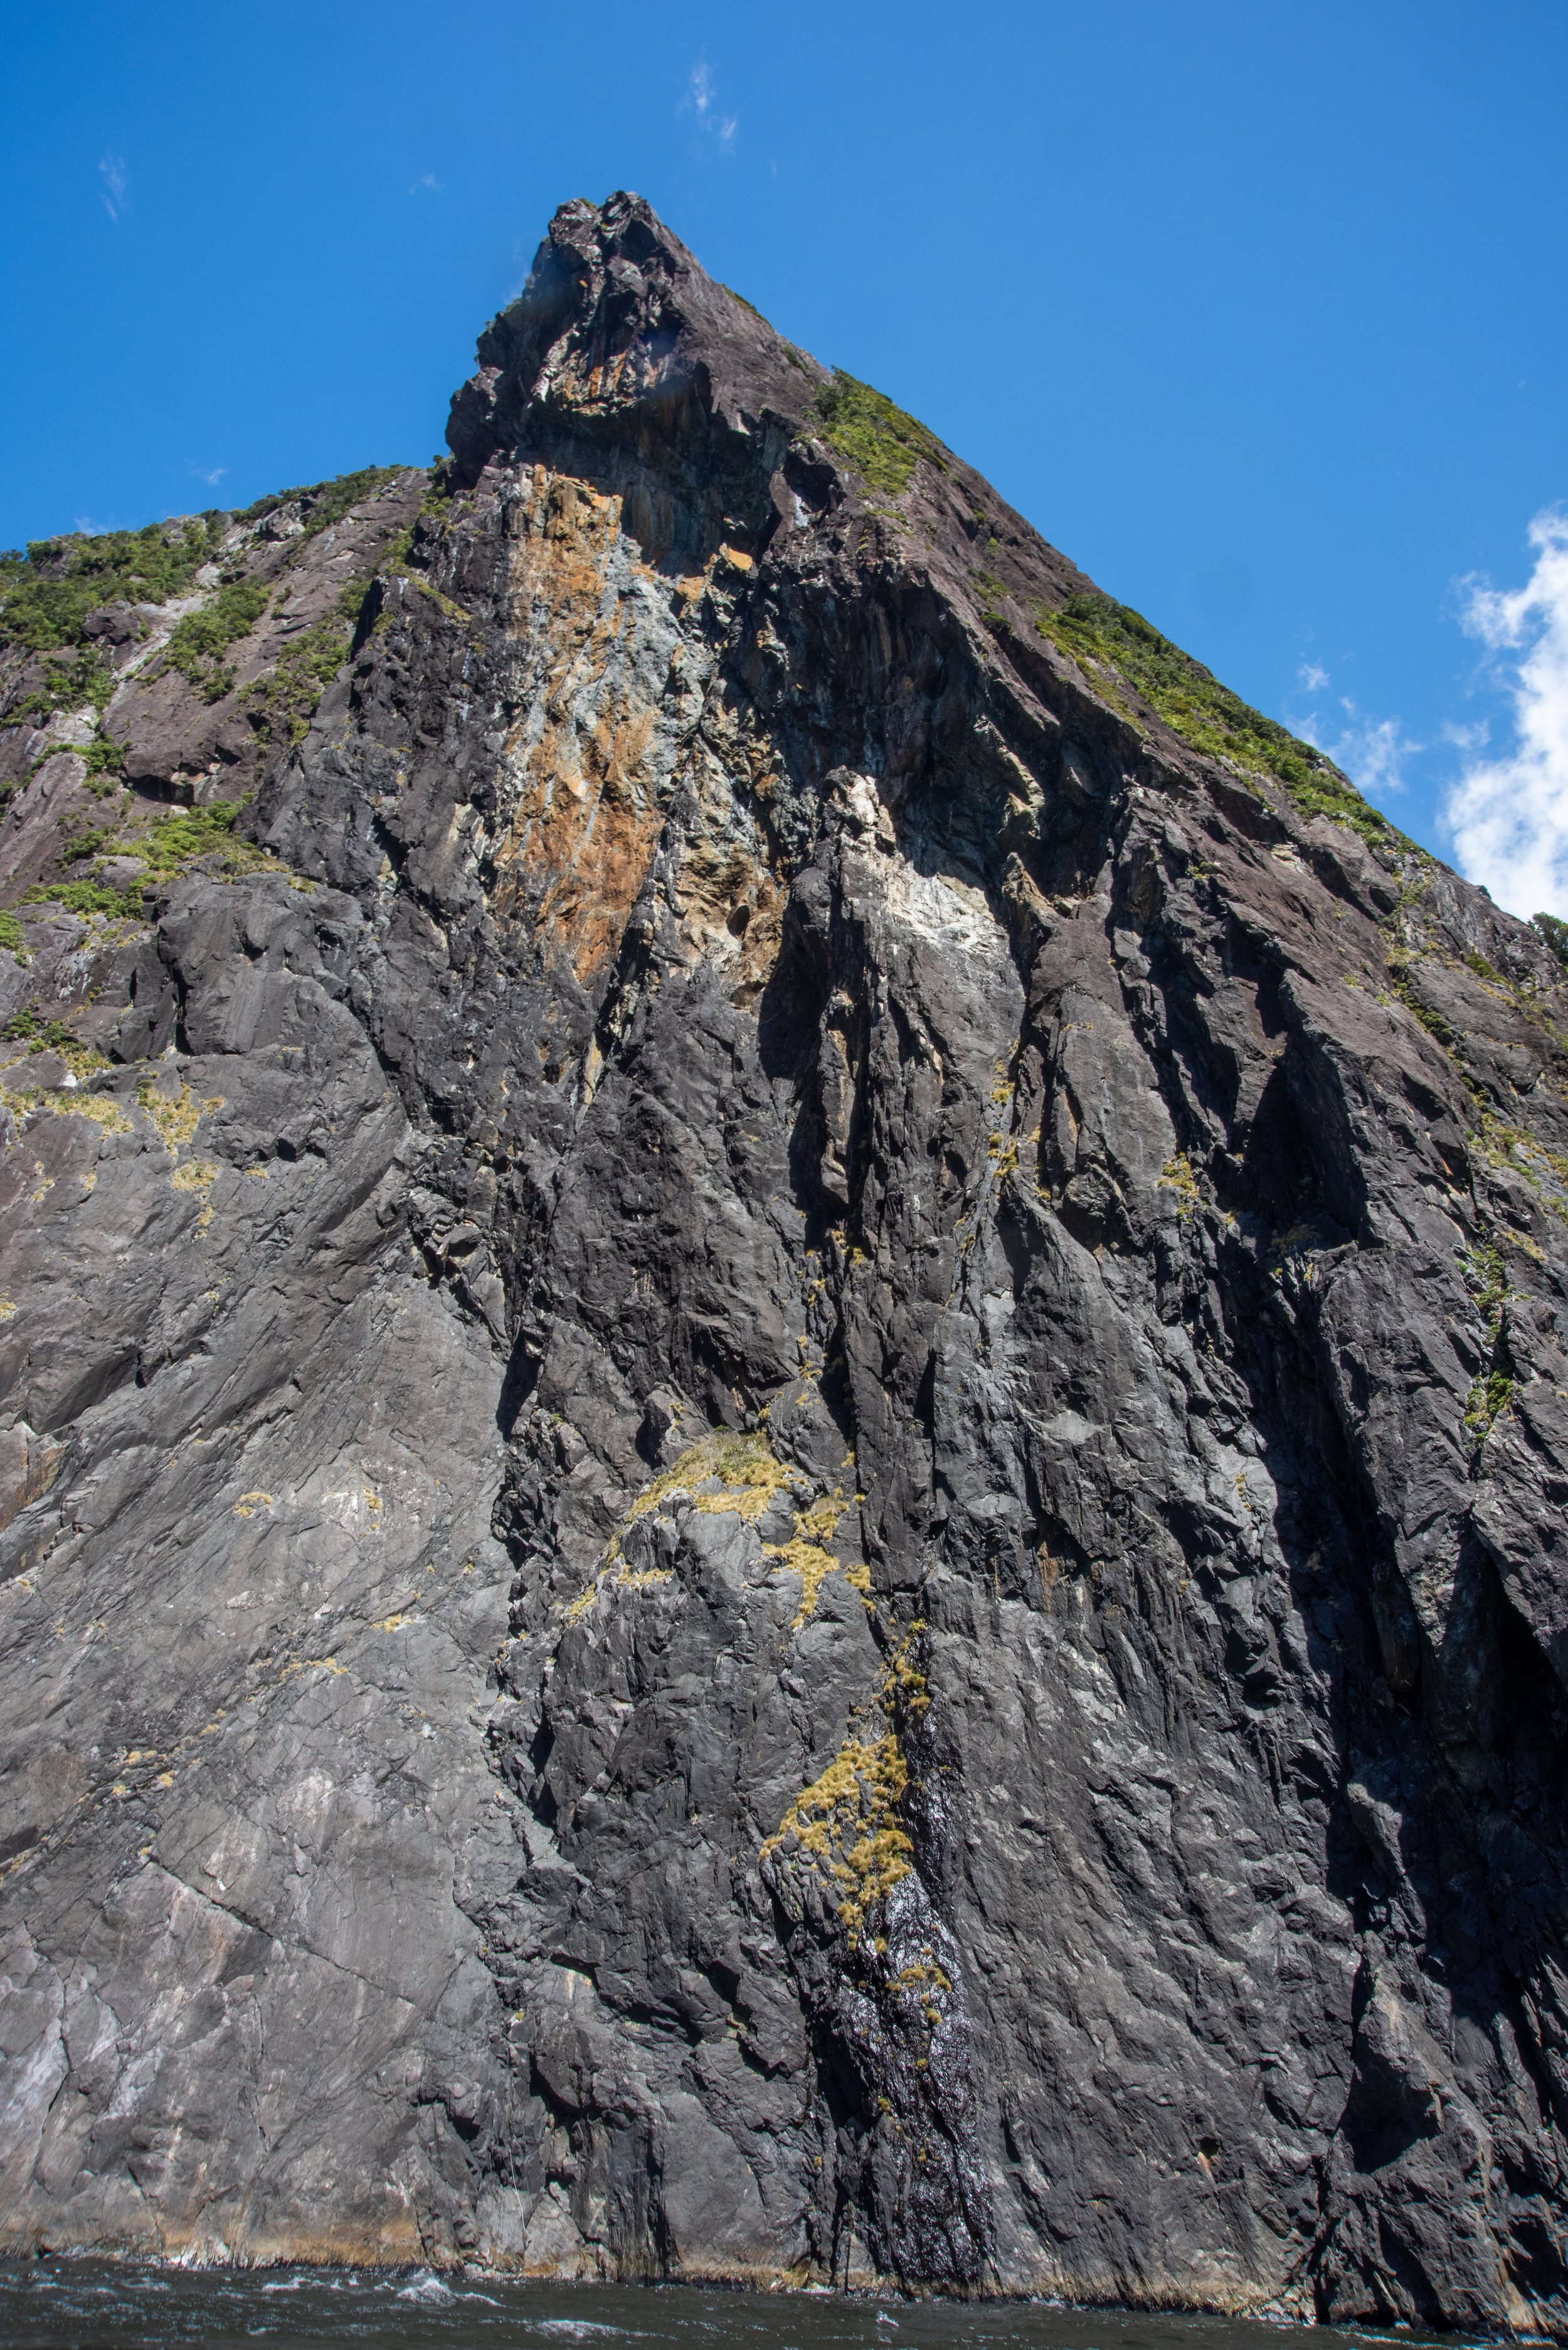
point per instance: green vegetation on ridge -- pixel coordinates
(322, 503)
(163, 851)
(84, 898)
(880, 440)
(173, 841)
(1100, 634)
(49, 588)
(47, 592)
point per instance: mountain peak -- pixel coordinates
(616, 316)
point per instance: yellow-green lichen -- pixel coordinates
(1177, 1176)
(196, 1175)
(811, 1564)
(729, 1475)
(175, 1117)
(725, 1473)
(845, 1829)
(905, 1687)
(102, 1108)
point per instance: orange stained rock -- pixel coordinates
(588, 814)
(588, 817)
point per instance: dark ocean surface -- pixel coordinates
(132, 2305)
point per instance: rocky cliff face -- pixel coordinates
(786, 1398)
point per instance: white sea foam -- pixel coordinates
(425, 2287)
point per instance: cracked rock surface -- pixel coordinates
(782, 1475)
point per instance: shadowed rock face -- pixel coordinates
(784, 1484)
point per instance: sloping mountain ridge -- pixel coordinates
(787, 1390)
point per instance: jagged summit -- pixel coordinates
(617, 319)
(623, 356)
(784, 1394)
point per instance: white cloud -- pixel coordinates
(1474, 737)
(1508, 818)
(426, 184)
(1372, 751)
(116, 181)
(702, 99)
(212, 478)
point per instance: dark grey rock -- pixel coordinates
(783, 1484)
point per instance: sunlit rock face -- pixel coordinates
(784, 1493)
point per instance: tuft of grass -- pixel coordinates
(200, 641)
(1488, 1401)
(47, 590)
(104, 759)
(1442, 1032)
(907, 1689)
(1177, 1176)
(175, 841)
(40, 1036)
(847, 1829)
(24, 1027)
(1509, 1149)
(811, 1564)
(176, 1117)
(877, 438)
(1486, 1277)
(84, 898)
(1115, 645)
(1491, 1394)
(83, 682)
(13, 937)
(101, 1109)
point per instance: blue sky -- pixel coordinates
(1255, 308)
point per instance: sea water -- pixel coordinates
(94, 2304)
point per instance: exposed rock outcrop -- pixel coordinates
(784, 1489)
